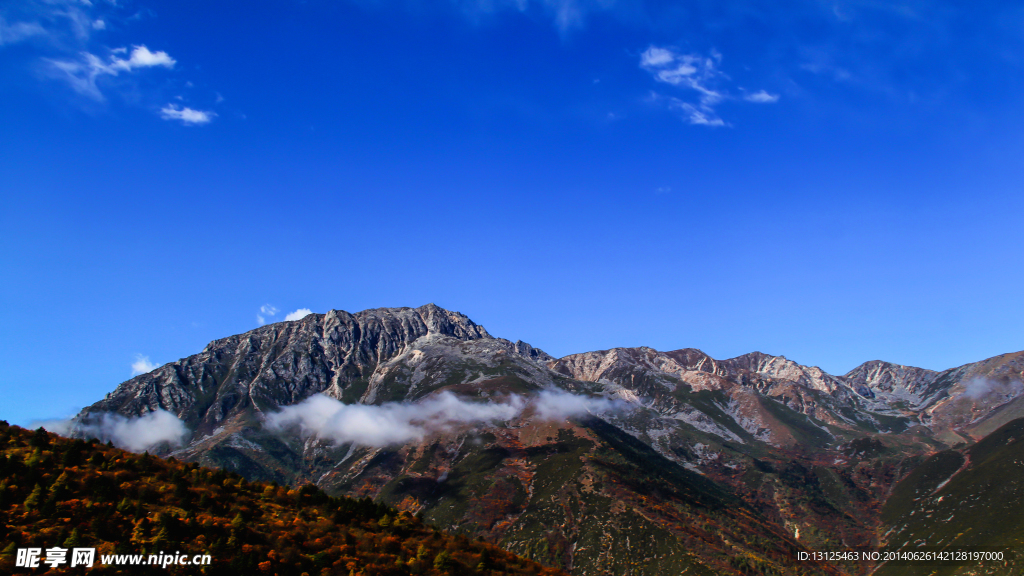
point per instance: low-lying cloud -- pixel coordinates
(976, 388)
(402, 422)
(557, 405)
(135, 434)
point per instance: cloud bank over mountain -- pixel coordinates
(134, 434)
(401, 422)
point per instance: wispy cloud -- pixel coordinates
(695, 73)
(701, 115)
(298, 314)
(66, 40)
(142, 365)
(186, 115)
(56, 21)
(265, 311)
(977, 388)
(761, 97)
(565, 14)
(401, 422)
(141, 57)
(11, 32)
(692, 72)
(82, 73)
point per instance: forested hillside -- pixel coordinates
(58, 492)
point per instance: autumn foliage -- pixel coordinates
(56, 491)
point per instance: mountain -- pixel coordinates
(659, 463)
(56, 492)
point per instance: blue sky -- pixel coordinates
(831, 181)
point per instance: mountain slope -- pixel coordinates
(71, 493)
(964, 499)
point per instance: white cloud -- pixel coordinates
(391, 423)
(134, 434)
(691, 71)
(696, 73)
(761, 97)
(82, 74)
(558, 405)
(401, 422)
(142, 365)
(66, 24)
(654, 57)
(265, 311)
(186, 115)
(700, 116)
(298, 314)
(977, 388)
(697, 114)
(69, 47)
(142, 58)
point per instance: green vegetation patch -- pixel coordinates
(799, 424)
(920, 483)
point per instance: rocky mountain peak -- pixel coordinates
(783, 369)
(886, 376)
(284, 362)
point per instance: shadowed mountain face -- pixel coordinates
(713, 466)
(967, 498)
